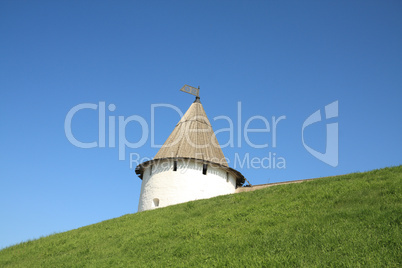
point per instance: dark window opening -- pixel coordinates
(174, 165)
(227, 176)
(204, 169)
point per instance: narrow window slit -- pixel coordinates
(204, 169)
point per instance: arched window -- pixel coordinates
(156, 202)
(175, 165)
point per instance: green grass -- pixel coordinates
(345, 221)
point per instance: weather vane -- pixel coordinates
(191, 90)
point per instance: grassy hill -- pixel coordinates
(351, 220)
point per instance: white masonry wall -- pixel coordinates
(161, 186)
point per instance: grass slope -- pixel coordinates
(351, 220)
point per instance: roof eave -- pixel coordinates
(240, 179)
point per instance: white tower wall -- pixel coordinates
(161, 186)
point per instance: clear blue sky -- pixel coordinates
(278, 58)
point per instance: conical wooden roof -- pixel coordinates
(193, 137)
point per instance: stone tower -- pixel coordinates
(189, 166)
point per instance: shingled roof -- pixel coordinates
(193, 137)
